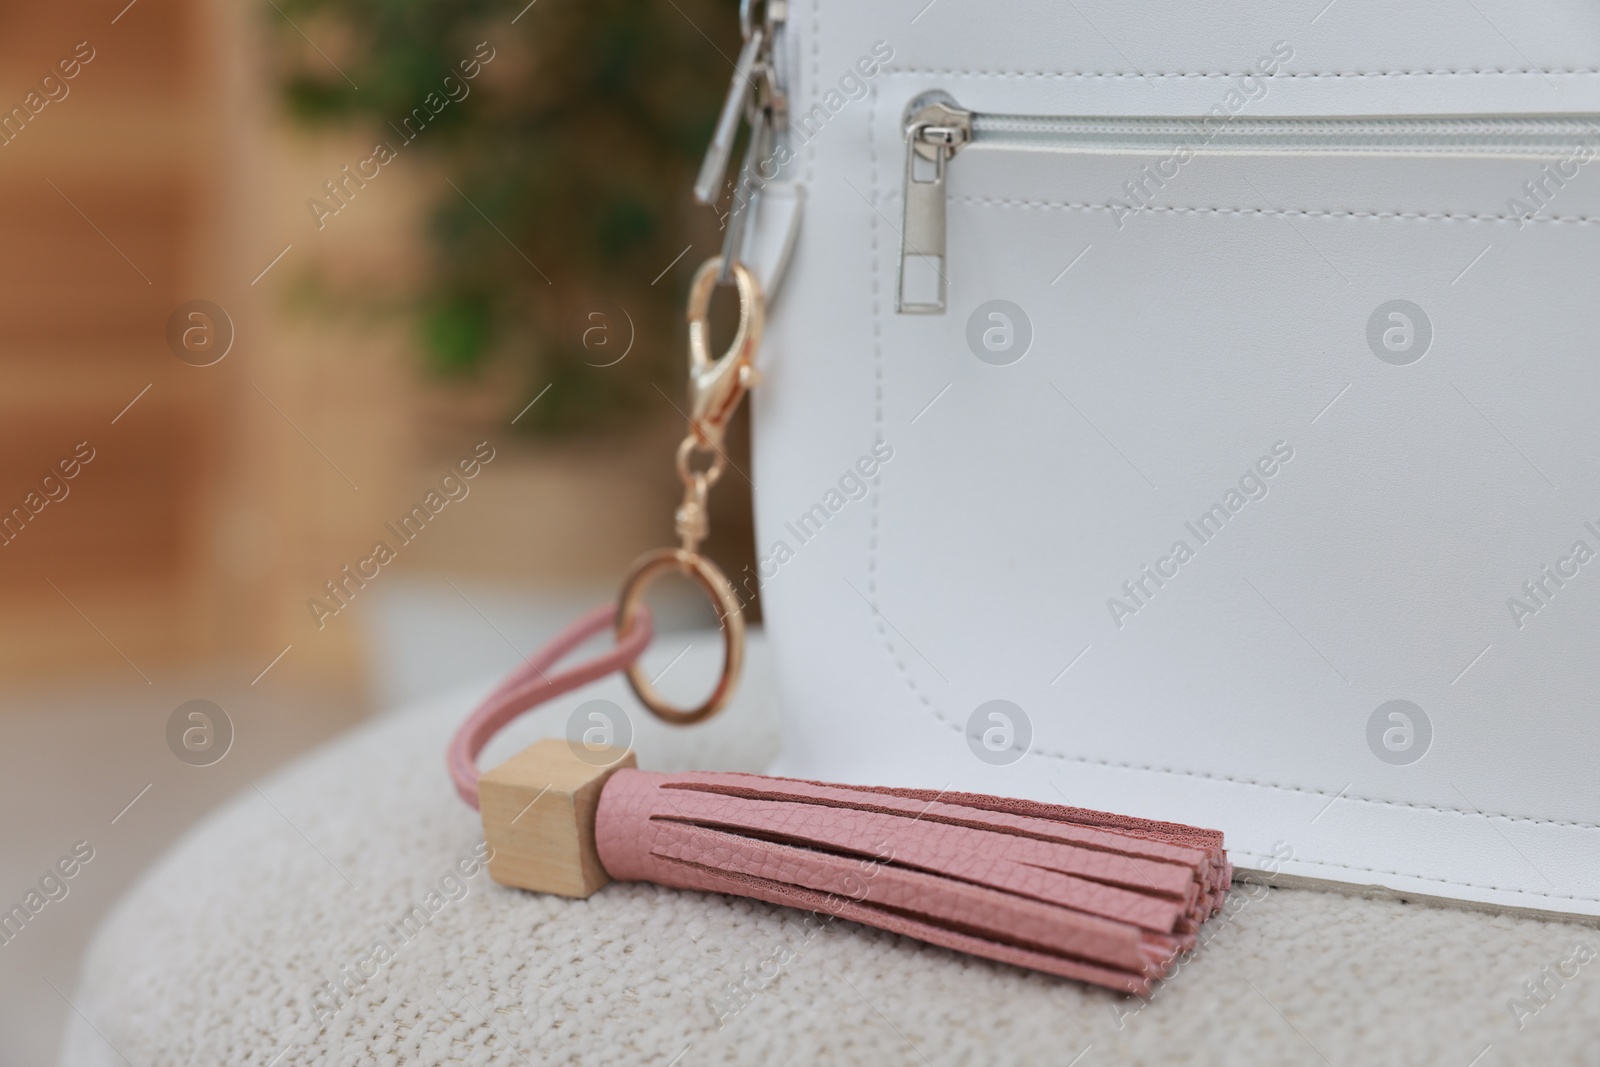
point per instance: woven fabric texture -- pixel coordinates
(327, 920)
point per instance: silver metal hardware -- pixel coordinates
(714, 168)
(756, 94)
(936, 129)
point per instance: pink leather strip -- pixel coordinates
(1178, 833)
(1119, 858)
(1203, 862)
(820, 904)
(1217, 873)
(1022, 866)
(982, 911)
(532, 684)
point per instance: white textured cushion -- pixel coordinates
(215, 956)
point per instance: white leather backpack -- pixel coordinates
(1190, 410)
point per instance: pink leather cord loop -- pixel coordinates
(531, 685)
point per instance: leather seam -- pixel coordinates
(1304, 213)
(1424, 877)
(1464, 72)
(877, 367)
(874, 520)
(816, 80)
(874, 512)
(1279, 787)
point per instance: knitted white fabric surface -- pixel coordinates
(229, 949)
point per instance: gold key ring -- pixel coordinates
(716, 386)
(715, 585)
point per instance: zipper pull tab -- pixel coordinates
(936, 129)
(714, 168)
(757, 95)
(746, 191)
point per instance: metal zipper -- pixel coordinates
(936, 128)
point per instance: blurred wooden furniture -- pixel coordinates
(110, 213)
(213, 504)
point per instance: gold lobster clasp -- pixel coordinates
(715, 388)
(716, 385)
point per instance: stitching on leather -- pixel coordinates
(877, 370)
(816, 80)
(1292, 213)
(1259, 784)
(1424, 878)
(910, 680)
(1465, 72)
(877, 483)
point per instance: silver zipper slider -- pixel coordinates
(936, 129)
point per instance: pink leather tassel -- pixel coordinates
(1086, 895)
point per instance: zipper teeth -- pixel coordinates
(1536, 134)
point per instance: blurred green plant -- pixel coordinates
(571, 154)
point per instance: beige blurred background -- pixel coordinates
(220, 499)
